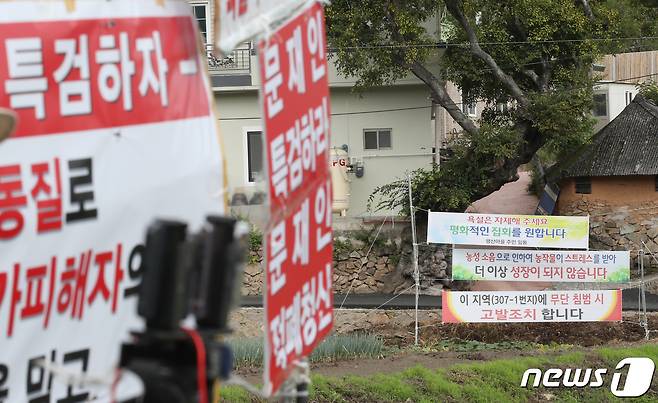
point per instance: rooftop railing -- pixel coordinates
(237, 61)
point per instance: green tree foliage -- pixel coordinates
(534, 56)
(649, 90)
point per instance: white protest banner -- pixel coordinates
(115, 128)
(295, 100)
(240, 20)
(508, 230)
(534, 265)
(530, 306)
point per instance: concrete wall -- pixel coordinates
(404, 107)
(412, 134)
(616, 99)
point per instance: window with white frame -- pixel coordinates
(254, 142)
(200, 11)
(469, 108)
(376, 139)
(629, 97)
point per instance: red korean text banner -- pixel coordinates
(295, 98)
(531, 306)
(115, 128)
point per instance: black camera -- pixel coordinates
(186, 274)
(195, 274)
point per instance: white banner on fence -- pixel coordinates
(508, 230)
(531, 306)
(240, 20)
(115, 129)
(529, 265)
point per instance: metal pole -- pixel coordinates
(303, 380)
(415, 256)
(437, 111)
(643, 297)
(289, 390)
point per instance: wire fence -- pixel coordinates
(638, 251)
(363, 267)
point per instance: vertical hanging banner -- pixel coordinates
(115, 128)
(530, 306)
(295, 101)
(508, 230)
(240, 20)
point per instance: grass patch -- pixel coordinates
(348, 346)
(491, 381)
(612, 356)
(475, 345)
(248, 352)
(235, 394)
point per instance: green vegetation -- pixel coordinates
(530, 62)
(248, 352)
(254, 240)
(348, 346)
(492, 381)
(341, 247)
(369, 236)
(621, 276)
(255, 243)
(474, 345)
(460, 272)
(236, 394)
(650, 91)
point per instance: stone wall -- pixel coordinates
(620, 227)
(248, 322)
(374, 258)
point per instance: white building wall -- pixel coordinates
(618, 96)
(404, 107)
(412, 138)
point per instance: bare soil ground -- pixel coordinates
(396, 362)
(580, 334)
(560, 336)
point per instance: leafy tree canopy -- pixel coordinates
(650, 91)
(535, 56)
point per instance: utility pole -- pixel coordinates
(415, 256)
(437, 112)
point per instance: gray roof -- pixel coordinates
(626, 146)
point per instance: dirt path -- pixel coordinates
(395, 363)
(432, 360)
(400, 362)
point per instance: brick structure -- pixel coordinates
(614, 180)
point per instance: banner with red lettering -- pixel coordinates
(295, 99)
(541, 265)
(115, 128)
(531, 306)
